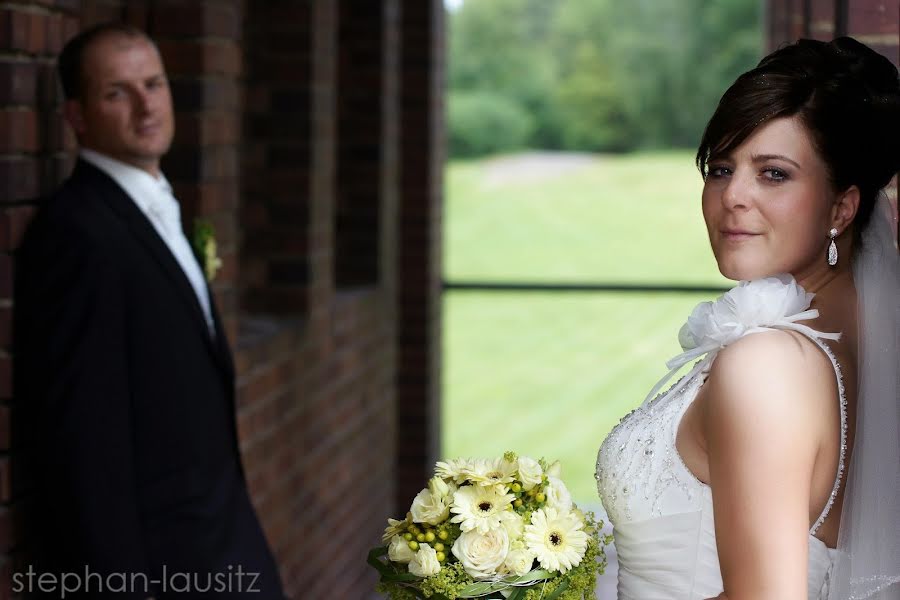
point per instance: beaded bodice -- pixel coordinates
(661, 513)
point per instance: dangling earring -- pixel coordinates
(832, 247)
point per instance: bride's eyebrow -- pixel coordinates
(758, 158)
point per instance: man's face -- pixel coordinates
(125, 109)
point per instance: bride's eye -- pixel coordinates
(774, 174)
(717, 171)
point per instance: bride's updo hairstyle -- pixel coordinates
(846, 95)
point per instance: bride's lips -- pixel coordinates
(736, 235)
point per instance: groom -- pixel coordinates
(122, 369)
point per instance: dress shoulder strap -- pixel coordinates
(842, 402)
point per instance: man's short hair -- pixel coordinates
(69, 64)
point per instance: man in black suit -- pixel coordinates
(121, 363)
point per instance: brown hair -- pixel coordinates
(69, 64)
(846, 95)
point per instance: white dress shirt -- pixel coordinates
(153, 196)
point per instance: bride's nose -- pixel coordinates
(737, 192)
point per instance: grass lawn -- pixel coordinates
(633, 218)
(548, 374)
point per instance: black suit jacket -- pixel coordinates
(129, 405)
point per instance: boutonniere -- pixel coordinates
(205, 248)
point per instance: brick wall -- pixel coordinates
(873, 22)
(275, 263)
(309, 133)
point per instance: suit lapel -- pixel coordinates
(121, 204)
(221, 339)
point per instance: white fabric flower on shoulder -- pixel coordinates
(777, 302)
(758, 303)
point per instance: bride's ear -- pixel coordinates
(844, 210)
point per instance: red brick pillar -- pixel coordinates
(876, 23)
(200, 43)
(419, 261)
(33, 142)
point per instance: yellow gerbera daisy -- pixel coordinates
(556, 539)
(493, 472)
(481, 508)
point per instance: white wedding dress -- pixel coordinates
(662, 515)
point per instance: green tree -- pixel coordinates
(592, 101)
(498, 46)
(482, 122)
(598, 74)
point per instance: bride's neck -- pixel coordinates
(835, 299)
(823, 282)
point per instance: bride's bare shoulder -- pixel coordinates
(769, 358)
(769, 376)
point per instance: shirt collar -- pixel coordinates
(143, 188)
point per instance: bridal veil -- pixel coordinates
(869, 535)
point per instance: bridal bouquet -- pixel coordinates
(492, 528)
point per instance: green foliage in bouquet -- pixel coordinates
(492, 529)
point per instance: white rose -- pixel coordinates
(529, 472)
(425, 562)
(482, 554)
(440, 488)
(557, 495)
(399, 551)
(428, 508)
(513, 524)
(519, 562)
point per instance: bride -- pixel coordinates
(772, 469)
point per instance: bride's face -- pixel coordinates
(768, 206)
